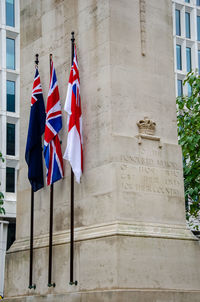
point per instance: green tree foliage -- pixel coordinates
(2, 210)
(188, 118)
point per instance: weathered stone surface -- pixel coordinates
(132, 243)
(116, 296)
(133, 262)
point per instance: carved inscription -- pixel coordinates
(149, 161)
(150, 157)
(151, 179)
(149, 171)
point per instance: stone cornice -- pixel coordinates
(117, 228)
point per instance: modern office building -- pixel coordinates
(9, 121)
(186, 35)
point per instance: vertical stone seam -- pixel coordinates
(143, 26)
(110, 65)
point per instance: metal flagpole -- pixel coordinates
(50, 223)
(31, 243)
(72, 282)
(31, 285)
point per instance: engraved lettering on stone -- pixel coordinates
(150, 152)
(149, 157)
(151, 179)
(167, 164)
(137, 160)
(143, 26)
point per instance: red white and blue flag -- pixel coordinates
(74, 149)
(33, 154)
(52, 148)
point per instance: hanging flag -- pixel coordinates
(74, 149)
(33, 154)
(52, 148)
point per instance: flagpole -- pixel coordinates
(50, 284)
(31, 285)
(72, 282)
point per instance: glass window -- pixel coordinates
(10, 53)
(178, 57)
(189, 90)
(187, 1)
(188, 59)
(187, 25)
(10, 179)
(10, 85)
(180, 87)
(11, 234)
(10, 12)
(198, 28)
(178, 22)
(198, 2)
(10, 139)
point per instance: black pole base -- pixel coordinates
(73, 283)
(51, 285)
(32, 286)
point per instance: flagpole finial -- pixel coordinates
(36, 59)
(72, 39)
(50, 56)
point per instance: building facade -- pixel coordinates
(186, 35)
(9, 121)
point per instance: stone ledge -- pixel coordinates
(137, 229)
(116, 295)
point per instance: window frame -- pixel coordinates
(188, 63)
(14, 17)
(7, 109)
(13, 39)
(13, 192)
(7, 145)
(188, 25)
(178, 21)
(181, 63)
(179, 81)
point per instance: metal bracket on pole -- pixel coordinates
(73, 283)
(51, 285)
(32, 286)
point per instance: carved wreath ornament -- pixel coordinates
(146, 126)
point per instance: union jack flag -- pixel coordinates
(52, 148)
(37, 88)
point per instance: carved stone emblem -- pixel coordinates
(146, 126)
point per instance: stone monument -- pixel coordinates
(131, 239)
